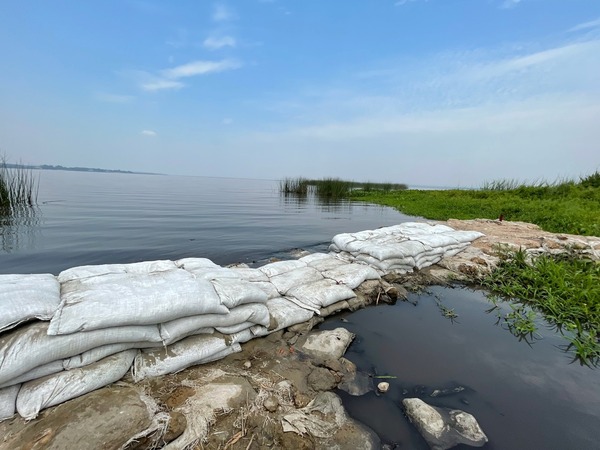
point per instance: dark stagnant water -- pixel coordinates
(525, 396)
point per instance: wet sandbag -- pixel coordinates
(247, 334)
(279, 267)
(316, 295)
(27, 297)
(30, 346)
(37, 372)
(352, 275)
(180, 355)
(234, 292)
(285, 313)
(56, 389)
(297, 277)
(132, 299)
(8, 400)
(257, 313)
(98, 353)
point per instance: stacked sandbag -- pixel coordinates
(95, 320)
(402, 248)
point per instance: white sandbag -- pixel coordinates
(232, 329)
(30, 346)
(320, 293)
(214, 273)
(268, 288)
(193, 264)
(56, 389)
(401, 264)
(395, 251)
(284, 314)
(234, 292)
(437, 240)
(132, 299)
(249, 274)
(247, 334)
(352, 275)
(27, 297)
(82, 272)
(150, 266)
(37, 372)
(314, 257)
(279, 267)
(324, 262)
(296, 277)
(98, 353)
(178, 356)
(8, 400)
(257, 313)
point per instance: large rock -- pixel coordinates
(325, 345)
(444, 428)
(106, 418)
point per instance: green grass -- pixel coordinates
(18, 187)
(565, 288)
(565, 207)
(298, 186)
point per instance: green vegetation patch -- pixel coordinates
(566, 207)
(17, 186)
(565, 288)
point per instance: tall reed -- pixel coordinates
(18, 186)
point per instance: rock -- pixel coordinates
(383, 386)
(354, 382)
(106, 418)
(271, 404)
(247, 365)
(321, 379)
(330, 344)
(444, 428)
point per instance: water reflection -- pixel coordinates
(19, 228)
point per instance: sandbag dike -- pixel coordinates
(64, 337)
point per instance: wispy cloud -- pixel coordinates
(113, 98)
(217, 42)
(159, 84)
(222, 13)
(149, 133)
(195, 68)
(586, 25)
(509, 4)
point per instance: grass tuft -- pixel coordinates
(18, 186)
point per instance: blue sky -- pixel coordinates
(427, 92)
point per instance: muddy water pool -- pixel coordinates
(525, 395)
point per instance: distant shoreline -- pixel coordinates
(76, 169)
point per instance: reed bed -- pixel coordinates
(333, 188)
(18, 186)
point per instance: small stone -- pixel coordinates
(383, 386)
(321, 379)
(247, 365)
(271, 404)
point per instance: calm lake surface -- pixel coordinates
(525, 396)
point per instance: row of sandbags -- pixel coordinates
(402, 248)
(94, 323)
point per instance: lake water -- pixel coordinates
(525, 396)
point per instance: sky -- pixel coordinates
(424, 92)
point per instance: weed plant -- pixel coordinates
(562, 207)
(299, 186)
(565, 288)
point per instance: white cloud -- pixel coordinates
(508, 4)
(159, 84)
(222, 13)
(200, 68)
(149, 133)
(215, 43)
(113, 98)
(586, 25)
